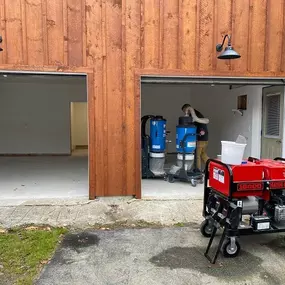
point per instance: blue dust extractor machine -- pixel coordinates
(185, 168)
(153, 147)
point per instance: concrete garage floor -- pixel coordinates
(58, 177)
(161, 256)
(25, 178)
(160, 189)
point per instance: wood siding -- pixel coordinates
(115, 38)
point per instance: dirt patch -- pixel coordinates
(7, 280)
(193, 258)
(79, 240)
(117, 225)
(194, 226)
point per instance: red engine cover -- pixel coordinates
(273, 170)
(249, 177)
(250, 172)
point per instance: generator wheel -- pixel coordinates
(193, 182)
(227, 251)
(206, 229)
(170, 178)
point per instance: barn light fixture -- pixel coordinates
(229, 52)
(0, 43)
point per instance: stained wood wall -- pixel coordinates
(115, 37)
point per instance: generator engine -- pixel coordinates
(274, 174)
(275, 207)
(279, 213)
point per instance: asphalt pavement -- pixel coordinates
(161, 256)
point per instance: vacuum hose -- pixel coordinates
(144, 120)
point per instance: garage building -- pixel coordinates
(120, 48)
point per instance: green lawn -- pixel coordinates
(23, 252)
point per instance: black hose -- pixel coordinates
(144, 120)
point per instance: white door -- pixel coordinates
(272, 122)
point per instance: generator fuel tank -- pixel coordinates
(248, 177)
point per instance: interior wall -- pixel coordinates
(35, 113)
(79, 124)
(248, 125)
(214, 102)
(72, 122)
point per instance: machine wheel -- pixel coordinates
(193, 182)
(170, 178)
(227, 251)
(206, 229)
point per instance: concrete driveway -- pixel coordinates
(161, 256)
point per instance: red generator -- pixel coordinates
(254, 189)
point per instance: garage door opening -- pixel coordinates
(220, 101)
(44, 136)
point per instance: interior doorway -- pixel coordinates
(272, 122)
(79, 127)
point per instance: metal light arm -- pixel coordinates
(219, 47)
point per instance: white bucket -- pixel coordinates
(232, 152)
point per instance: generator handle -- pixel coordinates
(252, 159)
(279, 158)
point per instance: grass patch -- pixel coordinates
(24, 251)
(179, 225)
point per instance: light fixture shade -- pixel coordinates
(229, 53)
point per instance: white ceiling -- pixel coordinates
(12, 78)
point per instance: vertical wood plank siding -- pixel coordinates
(114, 39)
